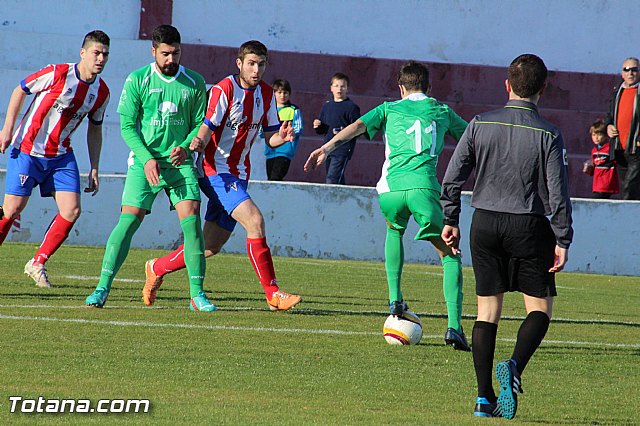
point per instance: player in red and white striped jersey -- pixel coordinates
(239, 106)
(41, 153)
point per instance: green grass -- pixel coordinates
(247, 365)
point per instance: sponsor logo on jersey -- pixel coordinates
(233, 186)
(156, 90)
(258, 102)
(69, 91)
(67, 111)
(167, 110)
(241, 125)
(23, 179)
(91, 97)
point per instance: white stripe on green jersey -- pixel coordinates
(414, 129)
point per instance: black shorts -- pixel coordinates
(512, 252)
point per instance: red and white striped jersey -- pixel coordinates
(235, 116)
(62, 100)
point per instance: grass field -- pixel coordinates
(323, 363)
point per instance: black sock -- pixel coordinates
(532, 331)
(483, 347)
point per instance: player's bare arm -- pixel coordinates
(451, 236)
(283, 135)
(15, 104)
(561, 258)
(178, 156)
(200, 140)
(94, 146)
(318, 157)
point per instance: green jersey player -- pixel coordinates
(161, 108)
(414, 129)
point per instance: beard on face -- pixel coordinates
(169, 69)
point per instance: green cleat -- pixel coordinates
(201, 303)
(98, 298)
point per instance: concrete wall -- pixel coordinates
(572, 35)
(334, 222)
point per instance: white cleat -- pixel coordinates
(38, 273)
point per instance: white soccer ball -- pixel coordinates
(403, 330)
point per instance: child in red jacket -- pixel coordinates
(603, 164)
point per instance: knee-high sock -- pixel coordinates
(5, 226)
(54, 237)
(483, 347)
(452, 289)
(117, 248)
(171, 262)
(262, 262)
(393, 262)
(530, 335)
(194, 252)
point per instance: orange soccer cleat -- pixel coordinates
(281, 301)
(152, 283)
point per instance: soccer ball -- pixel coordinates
(403, 330)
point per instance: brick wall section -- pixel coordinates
(571, 101)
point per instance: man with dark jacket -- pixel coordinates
(623, 127)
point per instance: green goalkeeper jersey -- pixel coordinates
(414, 129)
(158, 112)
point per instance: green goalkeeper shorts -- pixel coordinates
(422, 203)
(180, 184)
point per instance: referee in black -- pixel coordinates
(521, 178)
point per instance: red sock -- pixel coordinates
(5, 227)
(260, 257)
(56, 234)
(172, 262)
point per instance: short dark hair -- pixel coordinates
(527, 75)
(166, 34)
(252, 47)
(340, 76)
(598, 126)
(96, 36)
(414, 76)
(281, 84)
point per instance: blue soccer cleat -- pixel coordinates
(201, 303)
(486, 409)
(98, 298)
(510, 385)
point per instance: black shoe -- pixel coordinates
(486, 409)
(398, 308)
(457, 340)
(510, 385)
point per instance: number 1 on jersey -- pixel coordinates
(416, 129)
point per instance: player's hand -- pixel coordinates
(152, 172)
(92, 182)
(178, 156)
(197, 144)
(561, 258)
(316, 123)
(612, 131)
(451, 236)
(5, 140)
(286, 131)
(315, 159)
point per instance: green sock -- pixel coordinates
(452, 289)
(393, 261)
(194, 253)
(117, 248)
